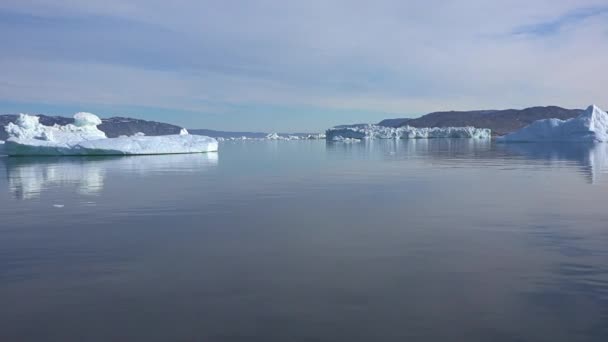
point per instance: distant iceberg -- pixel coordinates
(407, 132)
(29, 137)
(275, 136)
(590, 126)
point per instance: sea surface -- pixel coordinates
(438, 240)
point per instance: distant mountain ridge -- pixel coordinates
(112, 127)
(499, 121)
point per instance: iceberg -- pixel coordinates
(406, 132)
(339, 138)
(590, 126)
(274, 136)
(29, 137)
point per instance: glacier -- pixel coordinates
(406, 132)
(27, 136)
(590, 126)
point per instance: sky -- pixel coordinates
(298, 66)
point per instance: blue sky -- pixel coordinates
(274, 65)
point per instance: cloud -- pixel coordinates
(553, 26)
(386, 58)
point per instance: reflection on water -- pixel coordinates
(591, 159)
(29, 176)
(423, 240)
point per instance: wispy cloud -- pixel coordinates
(553, 26)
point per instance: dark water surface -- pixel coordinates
(437, 240)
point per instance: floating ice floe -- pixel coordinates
(590, 126)
(406, 132)
(275, 136)
(339, 138)
(27, 136)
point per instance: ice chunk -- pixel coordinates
(339, 138)
(83, 119)
(315, 137)
(273, 136)
(407, 132)
(590, 126)
(29, 137)
(27, 127)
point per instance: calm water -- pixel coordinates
(306, 241)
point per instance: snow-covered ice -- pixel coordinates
(28, 128)
(590, 126)
(406, 132)
(29, 137)
(273, 136)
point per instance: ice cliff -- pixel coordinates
(406, 132)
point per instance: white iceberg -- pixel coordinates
(274, 136)
(590, 126)
(406, 132)
(29, 137)
(320, 136)
(339, 138)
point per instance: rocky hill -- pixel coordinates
(499, 121)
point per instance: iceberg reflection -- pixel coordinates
(588, 159)
(418, 148)
(28, 177)
(591, 159)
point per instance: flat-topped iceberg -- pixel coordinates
(406, 132)
(590, 126)
(27, 136)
